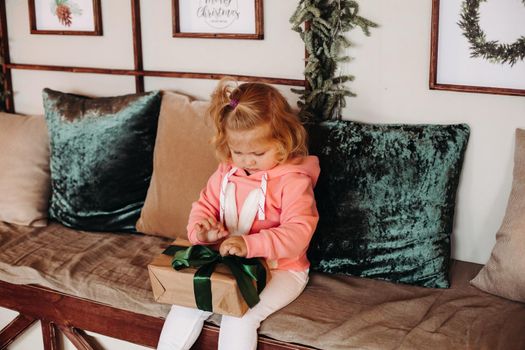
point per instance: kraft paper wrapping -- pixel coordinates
(176, 287)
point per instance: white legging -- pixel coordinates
(183, 325)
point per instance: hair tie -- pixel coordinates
(234, 102)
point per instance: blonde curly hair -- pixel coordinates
(249, 105)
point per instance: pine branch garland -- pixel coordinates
(324, 38)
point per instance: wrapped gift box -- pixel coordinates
(172, 286)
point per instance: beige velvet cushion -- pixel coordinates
(183, 161)
(24, 169)
(504, 273)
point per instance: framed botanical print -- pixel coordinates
(66, 17)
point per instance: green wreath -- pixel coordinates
(491, 50)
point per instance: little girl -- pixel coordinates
(258, 203)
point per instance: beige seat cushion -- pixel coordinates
(24, 169)
(334, 312)
(183, 161)
(101, 266)
(504, 273)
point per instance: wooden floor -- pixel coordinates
(73, 316)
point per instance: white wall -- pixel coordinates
(391, 69)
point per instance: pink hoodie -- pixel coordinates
(291, 214)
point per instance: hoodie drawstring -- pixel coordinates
(227, 203)
(262, 197)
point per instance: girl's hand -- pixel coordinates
(209, 230)
(234, 246)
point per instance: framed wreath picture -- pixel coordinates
(67, 17)
(478, 46)
(223, 19)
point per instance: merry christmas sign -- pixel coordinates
(215, 17)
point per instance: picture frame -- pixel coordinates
(65, 17)
(218, 19)
(470, 43)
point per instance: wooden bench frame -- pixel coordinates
(59, 312)
(138, 71)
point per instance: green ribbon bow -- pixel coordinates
(205, 260)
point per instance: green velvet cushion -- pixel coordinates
(386, 199)
(101, 158)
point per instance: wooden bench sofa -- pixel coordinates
(75, 281)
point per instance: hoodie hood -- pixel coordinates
(305, 165)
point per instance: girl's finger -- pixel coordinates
(200, 231)
(223, 233)
(223, 249)
(212, 235)
(205, 225)
(211, 220)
